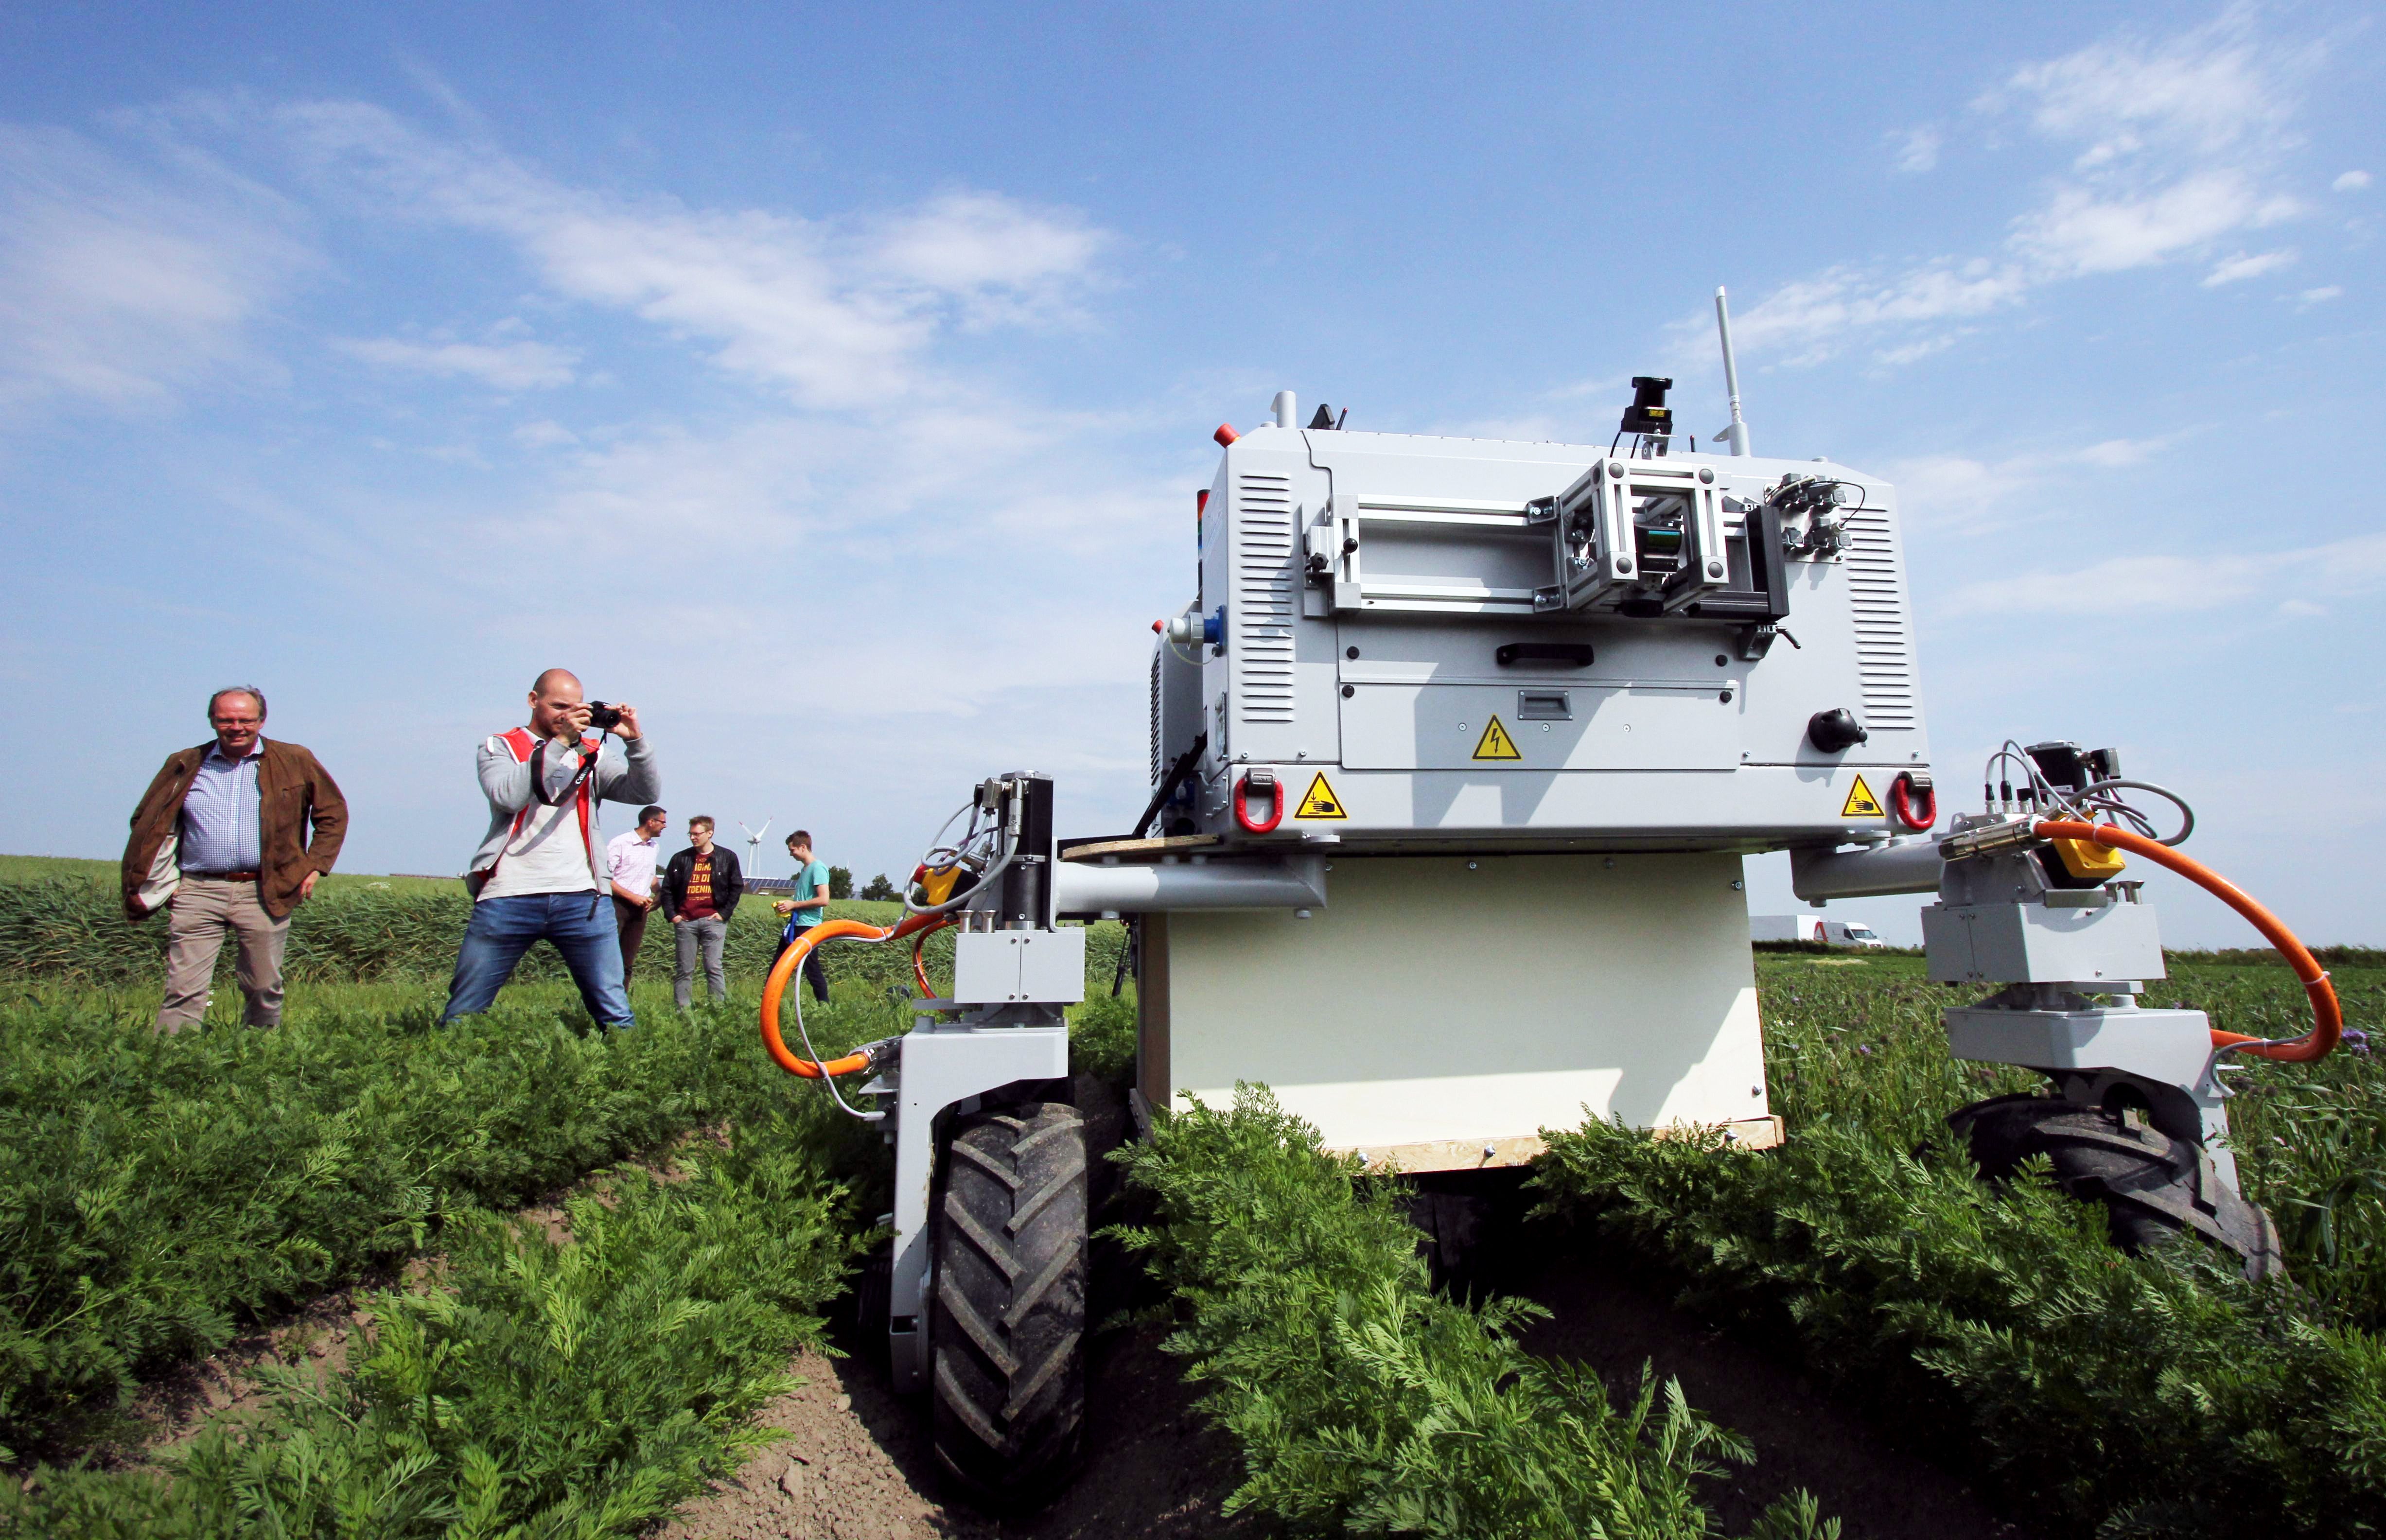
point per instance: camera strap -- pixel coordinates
(533, 752)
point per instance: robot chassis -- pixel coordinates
(1521, 709)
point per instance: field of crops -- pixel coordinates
(2102, 1394)
(158, 1195)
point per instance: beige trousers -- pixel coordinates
(203, 910)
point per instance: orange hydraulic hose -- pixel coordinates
(920, 965)
(774, 987)
(2328, 1016)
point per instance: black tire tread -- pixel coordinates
(1007, 1316)
(2153, 1187)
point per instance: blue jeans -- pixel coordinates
(580, 924)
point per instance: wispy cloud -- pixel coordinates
(835, 312)
(1916, 150)
(1955, 493)
(2235, 269)
(2183, 582)
(2351, 181)
(123, 280)
(2172, 145)
(514, 366)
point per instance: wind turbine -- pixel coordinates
(754, 846)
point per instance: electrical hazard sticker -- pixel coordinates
(1861, 803)
(1496, 743)
(1320, 802)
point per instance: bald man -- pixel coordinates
(540, 874)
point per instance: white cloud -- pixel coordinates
(2081, 231)
(122, 284)
(1957, 492)
(837, 313)
(2172, 145)
(2214, 88)
(1812, 312)
(2230, 270)
(507, 366)
(2177, 584)
(1917, 149)
(2351, 181)
(2119, 454)
(1921, 347)
(543, 435)
(2322, 295)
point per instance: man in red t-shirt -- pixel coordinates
(700, 893)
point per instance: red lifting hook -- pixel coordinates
(1915, 807)
(1275, 792)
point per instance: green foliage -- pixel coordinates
(543, 1390)
(1366, 1404)
(158, 1192)
(72, 930)
(2150, 1396)
(1102, 1037)
(840, 882)
(880, 889)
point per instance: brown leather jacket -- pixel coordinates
(292, 792)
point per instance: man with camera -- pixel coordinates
(540, 873)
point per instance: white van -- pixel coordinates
(1811, 927)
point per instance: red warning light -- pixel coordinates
(1226, 434)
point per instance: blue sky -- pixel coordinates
(833, 385)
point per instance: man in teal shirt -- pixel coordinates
(808, 909)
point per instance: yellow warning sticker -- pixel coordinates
(1496, 743)
(1861, 803)
(1321, 802)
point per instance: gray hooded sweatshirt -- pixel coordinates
(625, 772)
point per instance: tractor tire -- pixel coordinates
(2153, 1187)
(1007, 1321)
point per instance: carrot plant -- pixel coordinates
(2158, 1395)
(1365, 1402)
(72, 929)
(158, 1193)
(578, 1388)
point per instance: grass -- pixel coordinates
(34, 869)
(2102, 1394)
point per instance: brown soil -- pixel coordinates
(855, 1464)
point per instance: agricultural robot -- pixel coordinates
(1455, 755)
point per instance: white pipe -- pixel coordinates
(1739, 429)
(1285, 883)
(1901, 866)
(1287, 410)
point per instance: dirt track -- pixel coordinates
(856, 1466)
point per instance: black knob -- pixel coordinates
(1834, 729)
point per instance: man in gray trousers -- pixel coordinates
(700, 892)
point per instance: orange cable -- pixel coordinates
(774, 987)
(2328, 1015)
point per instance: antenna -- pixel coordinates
(1737, 434)
(754, 845)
